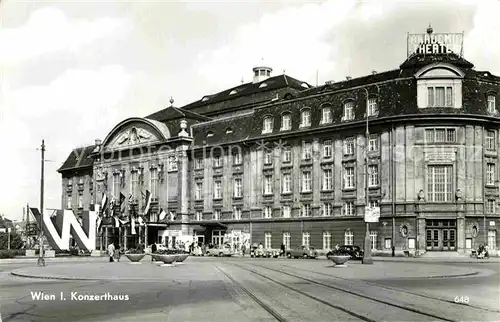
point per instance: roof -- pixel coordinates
(78, 158)
(172, 113)
(240, 126)
(247, 90)
(416, 61)
(6, 223)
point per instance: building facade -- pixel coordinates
(279, 161)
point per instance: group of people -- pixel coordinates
(482, 252)
(114, 252)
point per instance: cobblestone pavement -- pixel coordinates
(231, 289)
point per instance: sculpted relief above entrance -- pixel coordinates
(133, 135)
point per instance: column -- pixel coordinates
(460, 227)
(421, 235)
(125, 238)
(146, 235)
(106, 237)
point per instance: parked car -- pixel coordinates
(220, 250)
(303, 251)
(354, 251)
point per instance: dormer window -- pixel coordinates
(229, 130)
(491, 104)
(439, 85)
(372, 107)
(349, 111)
(305, 85)
(267, 126)
(263, 85)
(305, 118)
(326, 115)
(286, 122)
(205, 98)
(210, 134)
(233, 92)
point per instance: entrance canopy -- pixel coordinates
(216, 224)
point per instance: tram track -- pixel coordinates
(394, 289)
(408, 307)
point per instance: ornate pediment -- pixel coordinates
(133, 135)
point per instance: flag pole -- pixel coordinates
(41, 259)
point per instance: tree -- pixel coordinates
(16, 241)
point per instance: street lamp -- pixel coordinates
(420, 198)
(41, 259)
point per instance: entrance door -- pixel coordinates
(448, 239)
(200, 239)
(432, 239)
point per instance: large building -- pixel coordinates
(279, 161)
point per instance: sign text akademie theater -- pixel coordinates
(429, 44)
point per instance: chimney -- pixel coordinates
(348, 77)
(98, 142)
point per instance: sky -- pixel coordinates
(71, 70)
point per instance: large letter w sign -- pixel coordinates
(58, 229)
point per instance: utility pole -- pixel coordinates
(41, 259)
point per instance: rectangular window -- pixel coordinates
(348, 238)
(237, 159)
(440, 96)
(306, 151)
(267, 241)
(268, 125)
(268, 184)
(198, 163)
(373, 239)
(237, 213)
(286, 240)
(440, 135)
(327, 209)
(305, 210)
(153, 182)
(372, 107)
(306, 239)
(440, 183)
(349, 177)
(490, 140)
(373, 143)
(490, 174)
(68, 202)
(267, 212)
(327, 149)
(373, 203)
(238, 187)
(327, 241)
(327, 179)
(492, 239)
(198, 193)
(80, 200)
(217, 161)
(349, 146)
(387, 243)
(326, 116)
(491, 104)
(286, 212)
(287, 183)
(306, 181)
(134, 184)
(287, 155)
(348, 208)
(218, 189)
(268, 157)
(286, 122)
(199, 215)
(373, 175)
(216, 214)
(490, 206)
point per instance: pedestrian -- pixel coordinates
(282, 248)
(111, 252)
(117, 253)
(153, 250)
(243, 250)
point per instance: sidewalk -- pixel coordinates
(22, 260)
(437, 259)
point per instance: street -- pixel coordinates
(230, 289)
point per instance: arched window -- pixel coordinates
(305, 118)
(267, 126)
(210, 134)
(348, 111)
(439, 85)
(229, 130)
(326, 115)
(263, 85)
(233, 92)
(372, 106)
(286, 121)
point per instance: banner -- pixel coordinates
(372, 214)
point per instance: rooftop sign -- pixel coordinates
(431, 43)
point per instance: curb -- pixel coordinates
(61, 278)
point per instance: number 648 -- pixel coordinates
(462, 299)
